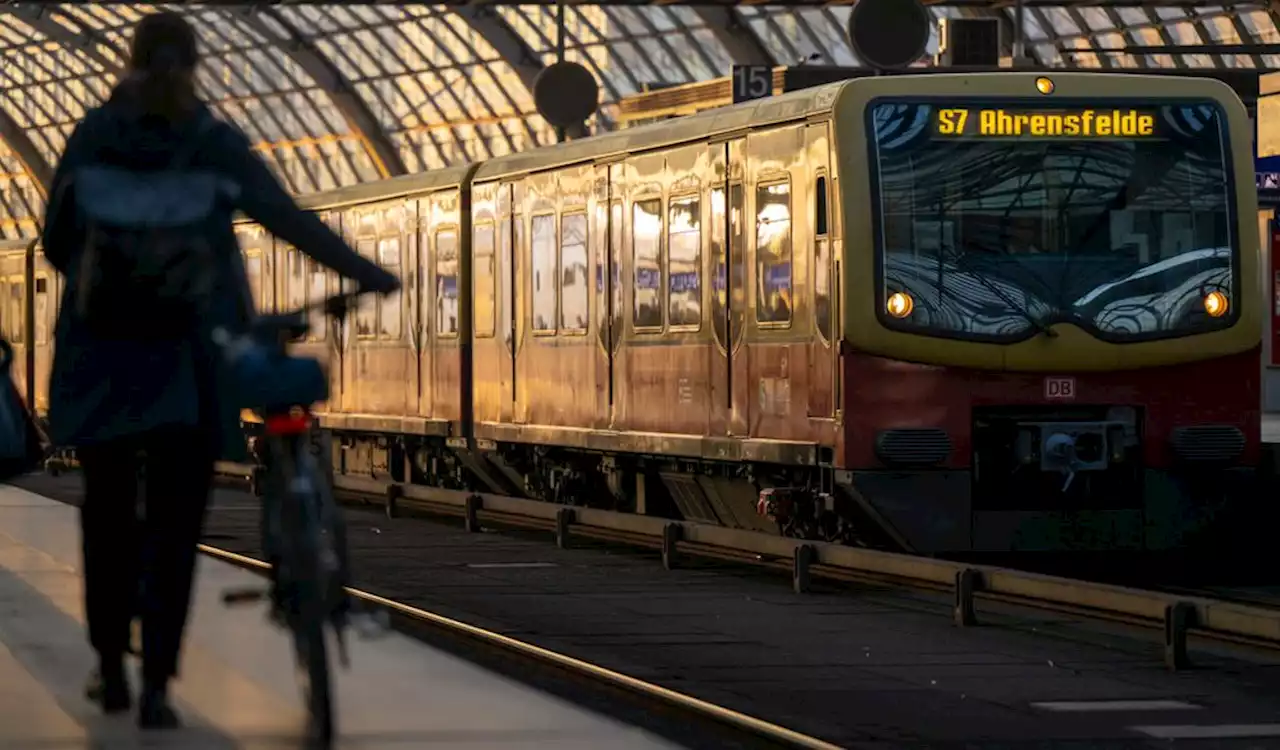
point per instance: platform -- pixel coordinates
(237, 688)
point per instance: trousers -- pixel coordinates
(157, 552)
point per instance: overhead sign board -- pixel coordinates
(1006, 122)
(752, 82)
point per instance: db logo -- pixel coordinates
(1060, 388)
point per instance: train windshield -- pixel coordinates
(995, 220)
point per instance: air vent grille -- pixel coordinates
(913, 447)
(1208, 443)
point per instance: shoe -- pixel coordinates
(154, 711)
(111, 694)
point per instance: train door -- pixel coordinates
(322, 283)
(359, 228)
(606, 239)
(256, 244)
(520, 265)
(730, 386)
(13, 319)
(42, 306)
(385, 358)
(1271, 240)
(424, 306)
(506, 300)
(822, 347)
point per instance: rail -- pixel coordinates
(757, 730)
(1177, 615)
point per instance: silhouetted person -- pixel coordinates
(137, 381)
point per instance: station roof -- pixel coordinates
(335, 95)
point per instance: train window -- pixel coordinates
(615, 252)
(253, 269)
(508, 296)
(318, 289)
(820, 206)
(646, 251)
(718, 246)
(447, 283)
(366, 309)
(423, 280)
(684, 262)
(822, 262)
(390, 315)
(544, 273)
(483, 272)
(14, 308)
(612, 227)
(600, 251)
(295, 280)
(773, 253)
(574, 289)
(42, 310)
(362, 224)
(722, 251)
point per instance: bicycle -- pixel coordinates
(304, 535)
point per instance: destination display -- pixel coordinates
(1029, 123)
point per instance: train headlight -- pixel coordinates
(1216, 304)
(899, 304)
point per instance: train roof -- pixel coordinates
(394, 187)
(14, 246)
(792, 105)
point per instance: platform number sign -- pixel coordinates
(752, 82)
(1059, 388)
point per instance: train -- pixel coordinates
(942, 313)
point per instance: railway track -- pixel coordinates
(1179, 615)
(701, 718)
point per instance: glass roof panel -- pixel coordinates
(317, 88)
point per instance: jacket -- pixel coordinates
(106, 390)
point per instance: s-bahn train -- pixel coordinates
(937, 313)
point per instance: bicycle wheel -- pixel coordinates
(313, 659)
(303, 544)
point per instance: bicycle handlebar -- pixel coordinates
(278, 328)
(335, 306)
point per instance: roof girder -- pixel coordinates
(737, 38)
(354, 109)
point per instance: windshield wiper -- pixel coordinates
(1022, 309)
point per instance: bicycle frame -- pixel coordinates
(303, 532)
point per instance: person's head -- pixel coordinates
(163, 59)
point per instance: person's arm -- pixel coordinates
(265, 200)
(59, 234)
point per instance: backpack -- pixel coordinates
(148, 265)
(22, 446)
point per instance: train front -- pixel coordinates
(1053, 314)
